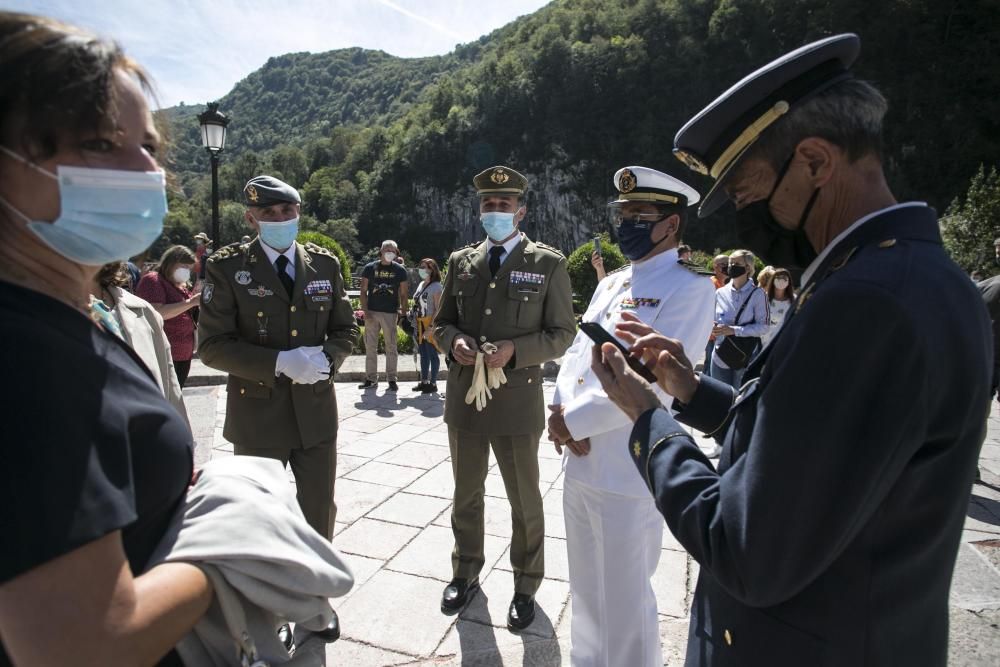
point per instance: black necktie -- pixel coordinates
(495, 253)
(281, 264)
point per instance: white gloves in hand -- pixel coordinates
(484, 379)
(303, 365)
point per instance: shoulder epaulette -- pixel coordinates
(318, 250)
(557, 251)
(227, 251)
(694, 268)
(621, 268)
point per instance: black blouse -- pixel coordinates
(89, 443)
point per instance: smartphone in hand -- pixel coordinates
(599, 335)
(597, 246)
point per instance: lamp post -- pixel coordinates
(213, 138)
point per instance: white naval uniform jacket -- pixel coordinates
(673, 300)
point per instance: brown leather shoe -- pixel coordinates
(456, 594)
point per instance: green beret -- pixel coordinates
(500, 181)
(262, 191)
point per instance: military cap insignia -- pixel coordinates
(243, 277)
(252, 193)
(692, 161)
(627, 181)
(499, 176)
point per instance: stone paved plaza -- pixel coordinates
(394, 498)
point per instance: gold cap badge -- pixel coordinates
(627, 181)
(252, 193)
(499, 176)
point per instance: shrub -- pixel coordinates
(325, 241)
(404, 343)
(582, 276)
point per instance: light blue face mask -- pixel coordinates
(498, 225)
(279, 235)
(105, 215)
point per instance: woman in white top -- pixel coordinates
(428, 299)
(779, 301)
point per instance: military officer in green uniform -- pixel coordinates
(513, 294)
(275, 316)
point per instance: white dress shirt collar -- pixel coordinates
(272, 256)
(508, 245)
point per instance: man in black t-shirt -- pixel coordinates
(384, 299)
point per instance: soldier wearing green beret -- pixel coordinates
(514, 295)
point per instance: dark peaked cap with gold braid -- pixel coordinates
(500, 180)
(717, 138)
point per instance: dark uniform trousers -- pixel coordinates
(517, 457)
(247, 319)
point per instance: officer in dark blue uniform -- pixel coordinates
(829, 533)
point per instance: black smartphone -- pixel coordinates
(599, 335)
(597, 246)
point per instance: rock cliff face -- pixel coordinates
(558, 213)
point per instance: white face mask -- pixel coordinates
(390, 256)
(182, 274)
(781, 283)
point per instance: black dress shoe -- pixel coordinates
(393, 386)
(331, 632)
(286, 637)
(420, 387)
(367, 384)
(456, 594)
(521, 612)
(430, 388)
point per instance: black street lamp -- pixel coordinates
(213, 138)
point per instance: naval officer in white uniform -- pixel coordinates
(613, 530)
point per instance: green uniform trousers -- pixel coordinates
(517, 458)
(315, 471)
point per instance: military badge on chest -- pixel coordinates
(260, 291)
(635, 303)
(243, 277)
(319, 290)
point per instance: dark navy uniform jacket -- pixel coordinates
(829, 534)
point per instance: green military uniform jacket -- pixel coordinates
(247, 318)
(528, 302)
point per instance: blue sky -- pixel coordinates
(197, 50)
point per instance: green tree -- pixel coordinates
(972, 223)
(582, 275)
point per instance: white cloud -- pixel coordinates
(198, 50)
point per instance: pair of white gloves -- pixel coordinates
(303, 365)
(484, 379)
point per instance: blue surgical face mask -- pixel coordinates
(105, 215)
(423, 273)
(279, 235)
(498, 225)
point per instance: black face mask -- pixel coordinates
(760, 233)
(735, 271)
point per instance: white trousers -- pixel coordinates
(614, 545)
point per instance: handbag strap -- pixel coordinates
(739, 312)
